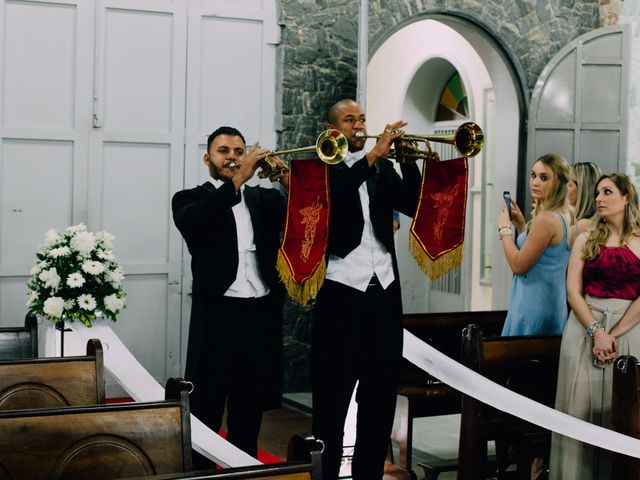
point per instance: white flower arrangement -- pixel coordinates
(76, 277)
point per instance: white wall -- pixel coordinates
(391, 72)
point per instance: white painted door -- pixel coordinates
(136, 156)
(229, 82)
(579, 105)
(45, 86)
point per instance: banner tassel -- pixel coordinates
(301, 293)
(434, 269)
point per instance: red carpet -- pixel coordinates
(264, 457)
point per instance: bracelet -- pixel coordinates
(596, 324)
(502, 231)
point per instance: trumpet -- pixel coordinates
(468, 140)
(331, 147)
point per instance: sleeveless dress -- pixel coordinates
(611, 281)
(538, 300)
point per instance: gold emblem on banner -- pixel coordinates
(310, 219)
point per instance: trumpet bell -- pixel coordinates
(469, 139)
(332, 146)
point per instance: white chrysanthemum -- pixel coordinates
(38, 267)
(92, 267)
(106, 255)
(50, 278)
(31, 299)
(53, 306)
(83, 242)
(87, 302)
(81, 227)
(59, 252)
(115, 276)
(51, 237)
(106, 238)
(113, 303)
(75, 280)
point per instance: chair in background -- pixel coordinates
(53, 381)
(625, 413)
(20, 342)
(525, 364)
(420, 394)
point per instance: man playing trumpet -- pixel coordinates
(232, 232)
(358, 323)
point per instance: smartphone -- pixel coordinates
(507, 201)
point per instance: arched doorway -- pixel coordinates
(406, 77)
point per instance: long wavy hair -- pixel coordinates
(556, 199)
(585, 175)
(599, 233)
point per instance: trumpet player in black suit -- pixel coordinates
(358, 320)
(232, 232)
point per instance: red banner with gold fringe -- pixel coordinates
(301, 262)
(437, 232)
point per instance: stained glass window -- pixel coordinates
(453, 103)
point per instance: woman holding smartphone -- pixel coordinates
(539, 255)
(603, 285)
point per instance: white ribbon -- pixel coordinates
(475, 385)
(142, 387)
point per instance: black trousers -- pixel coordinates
(234, 365)
(357, 337)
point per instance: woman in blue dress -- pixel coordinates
(540, 254)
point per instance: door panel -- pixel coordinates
(135, 204)
(234, 67)
(35, 173)
(137, 70)
(39, 86)
(603, 107)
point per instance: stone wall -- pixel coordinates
(319, 66)
(320, 40)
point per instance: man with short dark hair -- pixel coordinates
(232, 232)
(358, 320)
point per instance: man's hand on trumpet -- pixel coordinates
(281, 178)
(248, 165)
(392, 131)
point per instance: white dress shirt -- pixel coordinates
(371, 256)
(248, 282)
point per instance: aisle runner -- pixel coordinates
(142, 387)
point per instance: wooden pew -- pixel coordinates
(420, 394)
(99, 442)
(525, 364)
(625, 413)
(53, 381)
(303, 463)
(20, 342)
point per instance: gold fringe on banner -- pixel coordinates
(435, 268)
(303, 292)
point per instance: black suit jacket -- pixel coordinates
(204, 217)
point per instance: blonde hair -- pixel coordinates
(599, 233)
(584, 175)
(556, 199)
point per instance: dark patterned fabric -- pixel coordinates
(615, 273)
